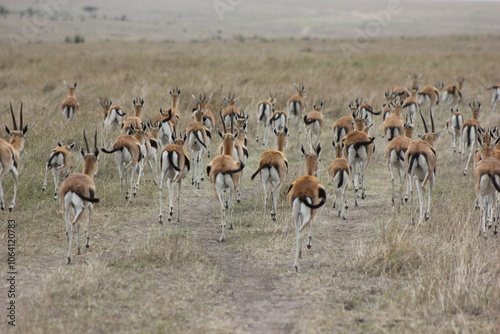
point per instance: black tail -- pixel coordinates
(85, 198)
(341, 179)
(413, 157)
(52, 157)
(261, 168)
(321, 194)
(494, 181)
(363, 143)
(400, 155)
(234, 171)
(171, 161)
(198, 138)
(308, 120)
(112, 151)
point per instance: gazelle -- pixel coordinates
(60, 163)
(265, 110)
(128, 155)
(454, 125)
(388, 104)
(113, 114)
(495, 95)
(197, 137)
(339, 173)
(208, 116)
(404, 92)
(305, 195)
(175, 94)
(175, 165)
(411, 105)
(469, 132)
(420, 165)
(429, 94)
(231, 113)
(296, 105)
(78, 193)
(366, 112)
(134, 121)
(10, 155)
(314, 121)
(165, 127)
(273, 167)
(154, 147)
(453, 93)
(70, 104)
(224, 174)
(279, 120)
(392, 126)
(486, 176)
(342, 126)
(359, 149)
(394, 155)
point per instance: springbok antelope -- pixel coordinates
(279, 120)
(359, 149)
(429, 94)
(224, 174)
(78, 192)
(339, 173)
(411, 106)
(273, 167)
(134, 121)
(394, 155)
(296, 105)
(495, 95)
(208, 117)
(305, 195)
(113, 114)
(231, 113)
(453, 93)
(70, 104)
(175, 165)
(420, 165)
(128, 155)
(392, 126)
(197, 137)
(454, 125)
(60, 163)
(265, 110)
(10, 155)
(404, 92)
(314, 121)
(469, 132)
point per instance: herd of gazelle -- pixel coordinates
(139, 142)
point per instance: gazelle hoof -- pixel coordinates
(427, 216)
(238, 200)
(44, 188)
(363, 196)
(69, 260)
(309, 246)
(465, 172)
(11, 208)
(222, 239)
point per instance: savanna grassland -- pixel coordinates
(374, 272)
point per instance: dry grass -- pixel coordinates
(371, 273)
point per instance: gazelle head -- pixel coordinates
(105, 105)
(312, 159)
(272, 98)
(138, 104)
(429, 137)
(175, 93)
(71, 89)
(202, 101)
(90, 159)
(17, 135)
(231, 100)
(408, 129)
(476, 109)
(319, 107)
(460, 82)
(281, 138)
(300, 90)
(415, 80)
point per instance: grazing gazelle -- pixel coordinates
(495, 95)
(70, 104)
(296, 105)
(78, 193)
(175, 165)
(224, 174)
(273, 167)
(60, 163)
(113, 114)
(197, 137)
(420, 164)
(10, 155)
(265, 110)
(305, 195)
(339, 173)
(453, 93)
(470, 130)
(314, 121)
(358, 149)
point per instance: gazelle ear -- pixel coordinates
(96, 152)
(236, 100)
(71, 146)
(82, 152)
(66, 84)
(220, 133)
(7, 130)
(59, 143)
(275, 131)
(318, 149)
(100, 103)
(302, 150)
(74, 86)
(178, 91)
(420, 136)
(438, 134)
